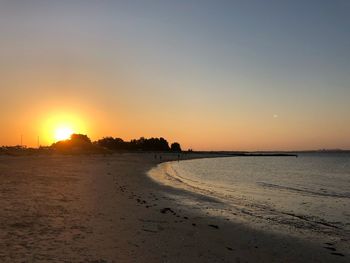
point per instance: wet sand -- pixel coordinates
(105, 209)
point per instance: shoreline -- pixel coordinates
(106, 209)
(230, 206)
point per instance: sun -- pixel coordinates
(59, 126)
(63, 133)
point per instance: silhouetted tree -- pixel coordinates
(142, 144)
(76, 143)
(79, 138)
(175, 147)
(113, 143)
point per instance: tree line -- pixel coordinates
(83, 142)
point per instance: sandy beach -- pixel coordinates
(106, 209)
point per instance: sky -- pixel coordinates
(212, 75)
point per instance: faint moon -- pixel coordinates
(275, 116)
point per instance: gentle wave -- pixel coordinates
(325, 193)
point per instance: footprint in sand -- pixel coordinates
(330, 247)
(338, 254)
(166, 210)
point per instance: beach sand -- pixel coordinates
(105, 209)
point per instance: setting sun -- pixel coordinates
(63, 133)
(60, 125)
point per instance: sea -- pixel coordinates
(305, 194)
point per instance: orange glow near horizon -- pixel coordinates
(122, 70)
(63, 133)
(61, 126)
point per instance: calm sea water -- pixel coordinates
(309, 192)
